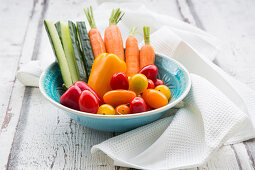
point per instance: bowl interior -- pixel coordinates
(171, 72)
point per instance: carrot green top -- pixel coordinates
(116, 16)
(132, 31)
(90, 17)
(146, 32)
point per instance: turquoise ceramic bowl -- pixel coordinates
(175, 76)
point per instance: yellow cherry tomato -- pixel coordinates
(138, 83)
(154, 98)
(165, 90)
(122, 110)
(106, 109)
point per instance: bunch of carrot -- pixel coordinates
(113, 42)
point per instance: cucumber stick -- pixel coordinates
(59, 52)
(57, 25)
(86, 46)
(77, 52)
(65, 37)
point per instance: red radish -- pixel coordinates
(150, 71)
(71, 97)
(83, 86)
(158, 82)
(138, 105)
(119, 81)
(88, 102)
(150, 84)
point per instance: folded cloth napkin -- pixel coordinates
(218, 109)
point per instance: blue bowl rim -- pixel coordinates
(155, 111)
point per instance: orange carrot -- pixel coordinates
(132, 53)
(112, 36)
(147, 54)
(96, 40)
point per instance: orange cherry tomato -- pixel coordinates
(122, 110)
(138, 83)
(106, 109)
(118, 97)
(165, 90)
(154, 98)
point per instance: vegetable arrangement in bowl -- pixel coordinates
(102, 78)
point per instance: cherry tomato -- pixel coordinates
(106, 109)
(150, 84)
(158, 82)
(83, 86)
(122, 110)
(138, 83)
(118, 97)
(165, 90)
(119, 81)
(88, 102)
(150, 71)
(71, 97)
(138, 105)
(154, 98)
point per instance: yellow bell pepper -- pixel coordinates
(103, 68)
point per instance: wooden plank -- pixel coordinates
(242, 156)
(14, 35)
(12, 40)
(232, 21)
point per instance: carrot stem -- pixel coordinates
(146, 32)
(116, 16)
(132, 31)
(90, 17)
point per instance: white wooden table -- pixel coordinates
(36, 135)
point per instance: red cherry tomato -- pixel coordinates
(88, 102)
(138, 105)
(71, 97)
(150, 84)
(119, 81)
(83, 86)
(150, 71)
(158, 82)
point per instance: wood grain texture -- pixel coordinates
(50, 139)
(13, 52)
(46, 138)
